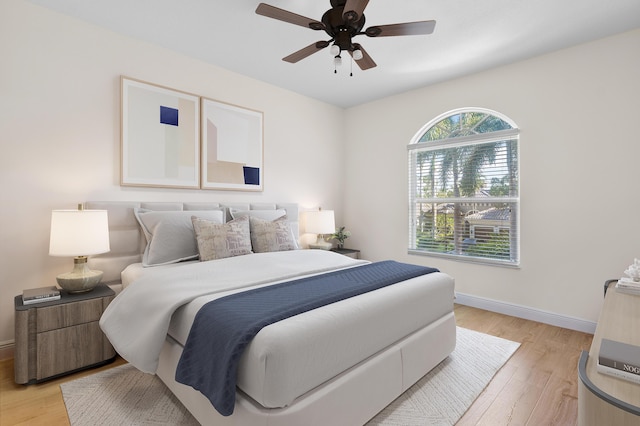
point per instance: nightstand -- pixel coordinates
(603, 399)
(348, 252)
(62, 336)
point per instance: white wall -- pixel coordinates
(578, 110)
(60, 134)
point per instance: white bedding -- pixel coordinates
(136, 270)
(289, 358)
(137, 320)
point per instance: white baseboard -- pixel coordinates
(526, 312)
(7, 349)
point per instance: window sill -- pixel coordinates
(467, 259)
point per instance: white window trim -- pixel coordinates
(497, 136)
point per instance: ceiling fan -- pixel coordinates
(342, 23)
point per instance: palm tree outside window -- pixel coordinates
(464, 184)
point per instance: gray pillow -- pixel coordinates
(170, 235)
(217, 241)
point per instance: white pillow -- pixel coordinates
(170, 235)
(217, 241)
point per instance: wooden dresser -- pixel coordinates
(61, 336)
(603, 399)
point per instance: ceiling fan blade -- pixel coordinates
(286, 16)
(353, 10)
(366, 62)
(408, 28)
(307, 51)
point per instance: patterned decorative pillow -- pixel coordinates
(217, 241)
(262, 214)
(267, 236)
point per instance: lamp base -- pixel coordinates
(81, 279)
(321, 244)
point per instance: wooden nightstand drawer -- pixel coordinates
(55, 317)
(68, 349)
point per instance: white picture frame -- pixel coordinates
(160, 136)
(231, 147)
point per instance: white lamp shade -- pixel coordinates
(79, 232)
(320, 222)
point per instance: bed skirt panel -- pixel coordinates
(416, 354)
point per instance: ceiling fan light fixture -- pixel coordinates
(357, 54)
(337, 61)
(335, 50)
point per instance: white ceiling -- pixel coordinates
(470, 36)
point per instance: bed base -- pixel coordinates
(351, 398)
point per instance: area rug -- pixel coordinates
(125, 396)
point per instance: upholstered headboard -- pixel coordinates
(128, 242)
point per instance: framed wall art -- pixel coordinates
(160, 137)
(232, 145)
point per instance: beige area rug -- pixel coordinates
(125, 396)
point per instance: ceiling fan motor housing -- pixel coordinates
(339, 29)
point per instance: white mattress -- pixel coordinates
(291, 357)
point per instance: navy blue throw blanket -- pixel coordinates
(224, 327)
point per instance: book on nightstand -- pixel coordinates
(40, 295)
(627, 286)
(619, 359)
(630, 377)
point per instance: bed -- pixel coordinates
(339, 364)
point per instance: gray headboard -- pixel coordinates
(128, 242)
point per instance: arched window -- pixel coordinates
(464, 181)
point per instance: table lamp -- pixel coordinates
(79, 233)
(320, 222)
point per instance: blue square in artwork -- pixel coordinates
(251, 175)
(168, 115)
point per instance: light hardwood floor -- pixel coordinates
(539, 383)
(537, 386)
